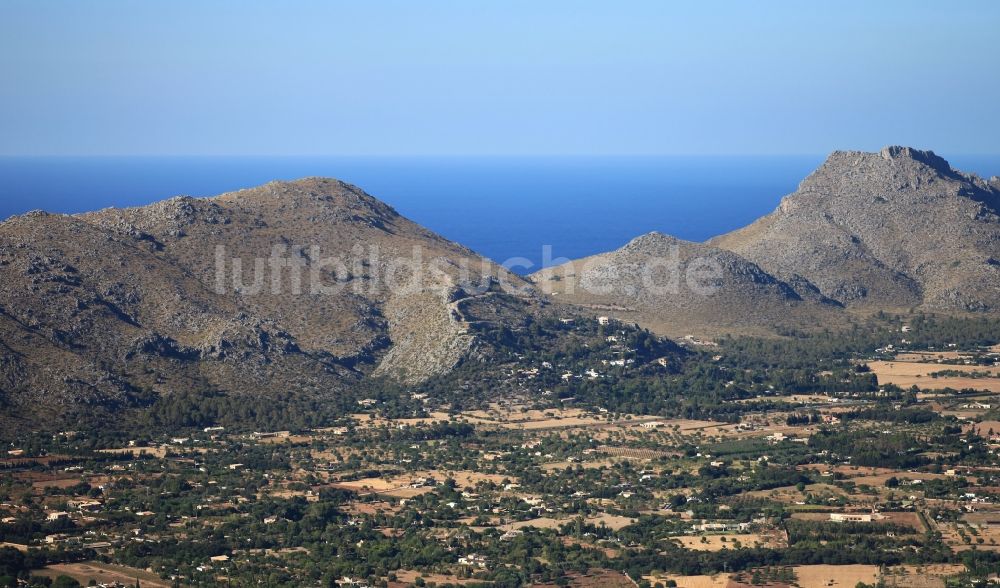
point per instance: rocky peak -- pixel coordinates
(315, 190)
(313, 199)
(652, 239)
(891, 229)
(902, 174)
(32, 216)
(909, 154)
(890, 161)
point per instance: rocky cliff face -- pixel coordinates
(290, 288)
(894, 229)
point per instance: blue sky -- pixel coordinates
(488, 78)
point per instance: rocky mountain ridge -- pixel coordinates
(306, 288)
(290, 288)
(894, 230)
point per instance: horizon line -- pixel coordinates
(446, 155)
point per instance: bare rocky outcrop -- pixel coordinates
(895, 229)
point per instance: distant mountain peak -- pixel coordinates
(652, 238)
(927, 157)
(893, 229)
(890, 160)
(319, 189)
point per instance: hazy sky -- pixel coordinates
(476, 77)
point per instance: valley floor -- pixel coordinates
(806, 487)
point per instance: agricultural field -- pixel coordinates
(931, 376)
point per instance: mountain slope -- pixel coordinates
(293, 288)
(894, 229)
(677, 287)
(891, 230)
(368, 276)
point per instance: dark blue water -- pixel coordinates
(501, 207)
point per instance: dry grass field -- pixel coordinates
(370, 508)
(828, 576)
(910, 519)
(973, 529)
(60, 482)
(408, 577)
(704, 581)
(611, 521)
(930, 356)
(859, 474)
(601, 579)
(983, 428)
(539, 523)
(922, 576)
(594, 578)
(791, 495)
(953, 539)
(880, 479)
(812, 576)
(293, 439)
(103, 573)
(401, 486)
(905, 374)
(720, 542)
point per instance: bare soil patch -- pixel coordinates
(104, 573)
(720, 542)
(830, 576)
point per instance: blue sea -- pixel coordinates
(501, 207)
